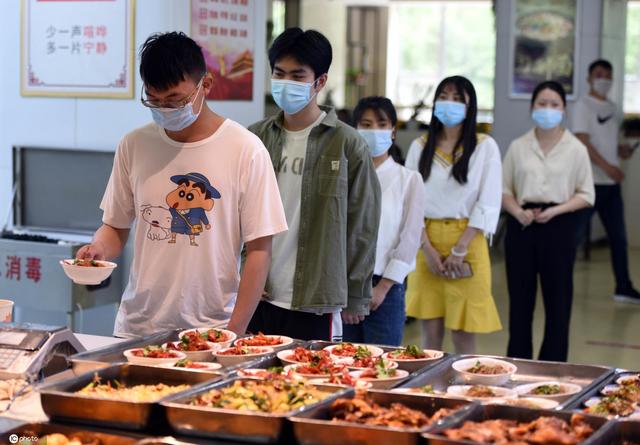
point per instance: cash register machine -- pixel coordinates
(30, 351)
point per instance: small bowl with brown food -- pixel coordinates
(194, 346)
(88, 272)
(481, 392)
(222, 337)
(381, 377)
(612, 407)
(153, 356)
(277, 342)
(484, 371)
(548, 390)
(239, 354)
(413, 358)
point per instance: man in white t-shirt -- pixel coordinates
(596, 122)
(199, 187)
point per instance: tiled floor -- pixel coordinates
(602, 331)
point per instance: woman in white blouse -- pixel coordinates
(547, 177)
(400, 226)
(451, 286)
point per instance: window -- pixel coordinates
(431, 40)
(632, 60)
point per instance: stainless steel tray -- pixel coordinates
(594, 391)
(232, 424)
(60, 402)
(316, 427)
(529, 371)
(615, 433)
(481, 413)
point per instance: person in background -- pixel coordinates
(546, 179)
(461, 170)
(401, 225)
(596, 122)
(199, 187)
(331, 195)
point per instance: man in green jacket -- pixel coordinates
(324, 264)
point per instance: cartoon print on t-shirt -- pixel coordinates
(188, 204)
(159, 220)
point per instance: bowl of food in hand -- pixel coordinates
(381, 377)
(484, 371)
(153, 356)
(235, 355)
(348, 352)
(413, 358)
(189, 365)
(195, 347)
(222, 337)
(481, 392)
(548, 390)
(277, 342)
(89, 272)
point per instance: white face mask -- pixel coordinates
(602, 86)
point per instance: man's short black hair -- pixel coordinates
(168, 59)
(307, 47)
(600, 63)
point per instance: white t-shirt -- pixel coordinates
(285, 245)
(401, 220)
(195, 205)
(479, 200)
(601, 121)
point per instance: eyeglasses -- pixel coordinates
(170, 104)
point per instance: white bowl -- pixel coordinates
(223, 344)
(375, 352)
(568, 389)
(199, 356)
(285, 341)
(232, 360)
(416, 392)
(527, 402)
(207, 366)
(461, 366)
(148, 361)
(627, 378)
(414, 364)
(88, 275)
(610, 389)
(359, 384)
(390, 365)
(382, 383)
(293, 369)
(286, 357)
(259, 373)
(501, 393)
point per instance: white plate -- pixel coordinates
(210, 366)
(527, 402)
(375, 352)
(390, 365)
(501, 393)
(609, 389)
(232, 360)
(199, 356)
(293, 369)
(568, 389)
(382, 383)
(461, 366)
(415, 392)
(414, 364)
(359, 384)
(627, 378)
(147, 361)
(285, 341)
(286, 356)
(87, 275)
(223, 344)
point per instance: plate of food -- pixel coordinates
(527, 402)
(425, 390)
(347, 352)
(412, 357)
(189, 365)
(265, 373)
(194, 346)
(153, 356)
(302, 355)
(222, 337)
(238, 354)
(344, 378)
(276, 342)
(548, 390)
(315, 370)
(362, 363)
(481, 392)
(89, 272)
(484, 371)
(381, 377)
(612, 407)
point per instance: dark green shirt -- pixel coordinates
(339, 216)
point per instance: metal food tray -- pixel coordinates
(480, 413)
(529, 371)
(316, 427)
(615, 433)
(234, 424)
(594, 391)
(60, 402)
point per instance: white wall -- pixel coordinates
(95, 123)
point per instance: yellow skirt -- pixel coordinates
(465, 304)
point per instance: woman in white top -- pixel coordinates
(399, 230)
(547, 177)
(451, 286)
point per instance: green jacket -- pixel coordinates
(339, 216)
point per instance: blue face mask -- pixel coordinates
(547, 118)
(378, 141)
(450, 113)
(176, 119)
(291, 96)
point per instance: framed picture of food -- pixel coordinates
(543, 45)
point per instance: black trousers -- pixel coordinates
(273, 320)
(548, 251)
